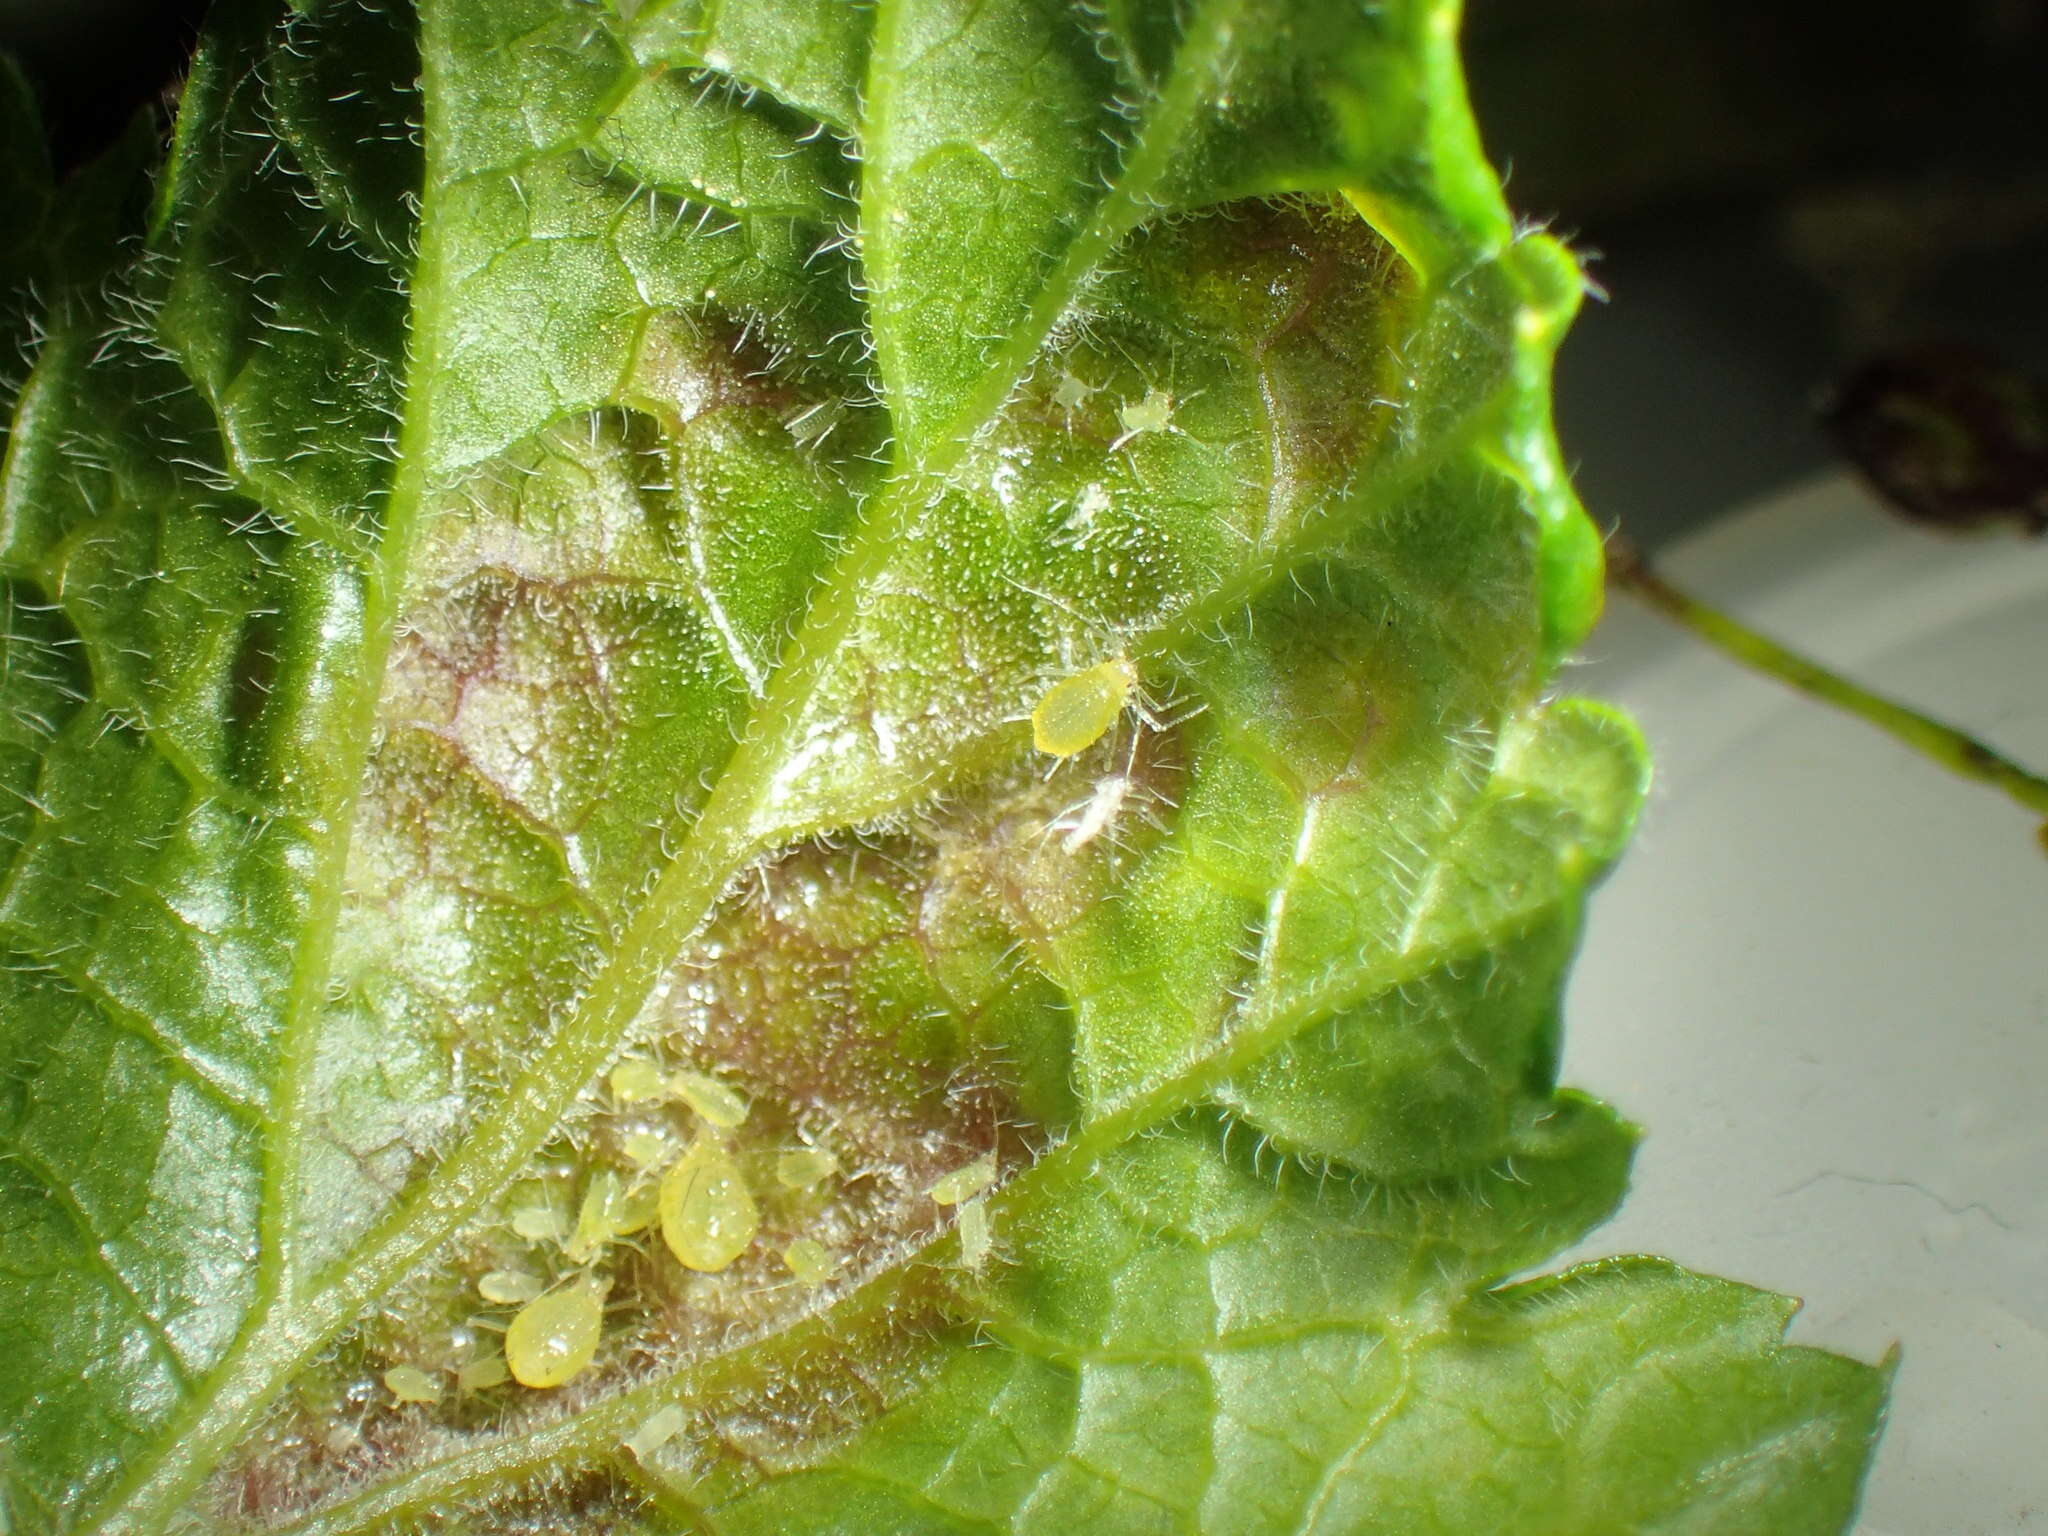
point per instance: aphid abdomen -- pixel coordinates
(973, 1229)
(1077, 710)
(555, 1337)
(964, 1182)
(708, 1216)
(410, 1384)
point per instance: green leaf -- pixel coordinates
(526, 595)
(1126, 1378)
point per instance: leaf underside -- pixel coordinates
(529, 581)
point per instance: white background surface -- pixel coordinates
(1820, 979)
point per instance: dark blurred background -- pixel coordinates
(95, 61)
(1773, 190)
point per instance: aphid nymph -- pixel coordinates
(973, 1229)
(1153, 413)
(1076, 711)
(410, 1384)
(661, 1427)
(809, 1261)
(965, 1182)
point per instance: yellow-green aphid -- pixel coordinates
(633, 1081)
(509, 1287)
(661, 1426)
(554, 1337)
(707, 1214)
(805, 1168)
(410, 1384)
(810, 1261)
(593, 1218)
(539, 1223)
(1077, 710)
(966, 1182)
(722, 1106)
(609, 1212)
(972, 1226)
(645, 1148)
(478, 1375)
(636, 1209)
(1152, 413)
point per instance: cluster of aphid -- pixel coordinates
(700, 1203)
(699, 1200)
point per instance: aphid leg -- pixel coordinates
(1169, 713)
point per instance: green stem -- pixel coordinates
(1957, 751)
